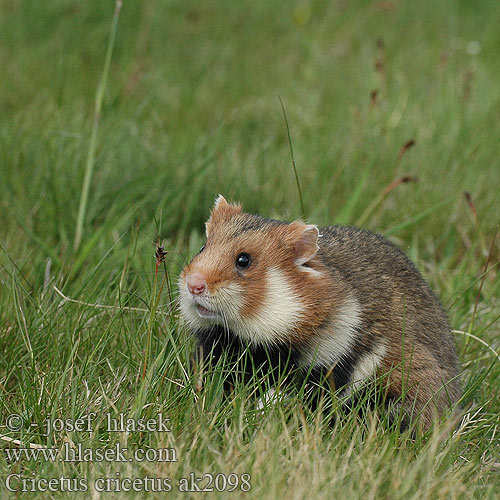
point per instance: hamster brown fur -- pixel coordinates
(339, 300)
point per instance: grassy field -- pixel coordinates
(187, 108)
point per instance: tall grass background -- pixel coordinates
(187, 106)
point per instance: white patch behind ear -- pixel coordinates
(336, 340)
(307, 245)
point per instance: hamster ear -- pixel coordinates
(220, 202)
(306, 246)
(222, 210)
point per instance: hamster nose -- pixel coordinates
(196, 283)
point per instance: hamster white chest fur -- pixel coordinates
(336, 299)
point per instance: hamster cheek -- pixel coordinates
(230, 298)
(272, 309)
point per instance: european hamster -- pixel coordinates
(336, 300)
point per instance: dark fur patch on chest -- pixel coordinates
(279, 362)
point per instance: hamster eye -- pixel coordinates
(201, 249)
(243, 260)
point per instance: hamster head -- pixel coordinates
(256, 277)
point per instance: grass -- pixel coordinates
(191, 109)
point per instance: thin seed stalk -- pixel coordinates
(152, 315)
(169, 291)
(90, 162)
(293, 159)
